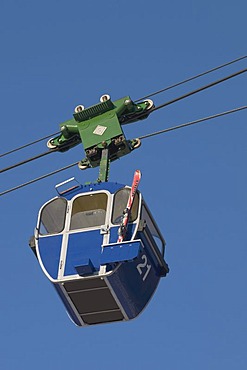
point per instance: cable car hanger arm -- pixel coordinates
(99, 127)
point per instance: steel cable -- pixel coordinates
(28, 144)
(143, 98)
(141, 137)
(27, 160)
(38, 179)
(193, 122)
(193, 92)
(198, 90)
(193, 78)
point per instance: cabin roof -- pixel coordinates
(69, 193)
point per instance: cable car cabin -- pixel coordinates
(98, 279)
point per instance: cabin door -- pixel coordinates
(87, 230)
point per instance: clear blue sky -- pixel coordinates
(57, 54)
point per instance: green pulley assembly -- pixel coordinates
(99, 129)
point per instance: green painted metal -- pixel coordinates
(99, 127)
(104, 166)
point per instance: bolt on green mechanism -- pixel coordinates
(99, 128)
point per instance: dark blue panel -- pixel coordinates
(150, 253)
(134, 284)
(49, 250)
(86, 268)
(83, 246)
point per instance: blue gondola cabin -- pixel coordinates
(98, 279)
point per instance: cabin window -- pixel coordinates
(52, 217)
(120, 203)
(153, 228)
(88, 211)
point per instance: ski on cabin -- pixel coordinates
(126, 214)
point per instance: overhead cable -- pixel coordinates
(27, 160)
(140, 115)
(192, 78)
(141, 137)
(198, 90)
(193, 122)
(28, 144)
(143, 98)
(38, 178)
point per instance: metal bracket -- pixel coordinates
(99, 127)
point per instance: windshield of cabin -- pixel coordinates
(88, 211)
